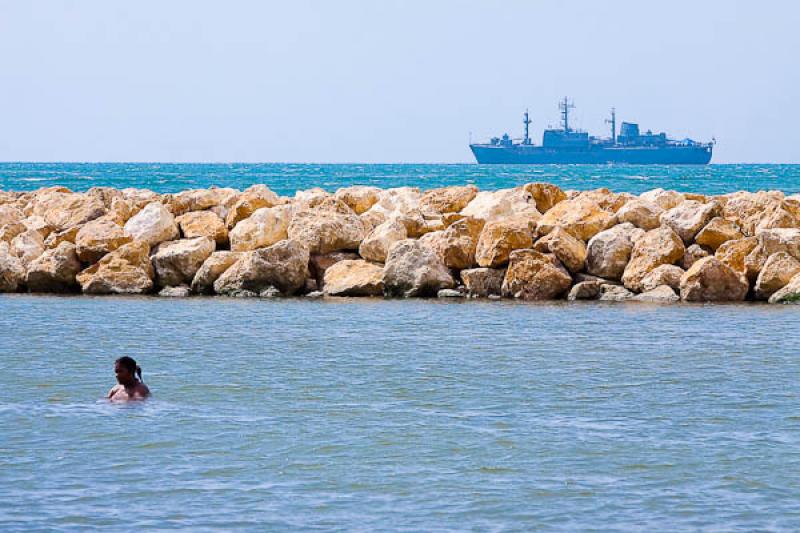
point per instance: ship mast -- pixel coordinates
(613, 123)
(527, 122)
(565, 106)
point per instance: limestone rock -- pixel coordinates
(569, 250)
(545, 195)
(126, 270)
(393, 202)
(693, 253)
(663, 199)
(375, 247)
(768, 242)
(139, 198)
(614, 293)
(718, 231)
(495, 205)
(733, 253)
(177, 262)
(605, 198)
(354, 278)
(456, 245)
(57, 237)
(39, 224)
(582, 217)
(777, 272)
(284, 265)
(200, 200)
(248, 202)
(481, 282)
(323, 231)
(609, 251)
(500, 237)
(660, 246)
(711, 280)
(181, 291)
(153, 224)
(641, 213)
(689, 217)
(414, 269)
(12, 272)
(447, 199)
(532, 275)
(9, 231)
(669, 275)
(585, 290)
(778, 216)
(310, 198)
(98, 237)
(65, 210)
(203, 224)
(359, 198)
(10, 215)
(788, 294)
(213, 267)
(660, 294)
(263, 228)
(27, 246)
(54, 270)
(747, 209)
(318, 264)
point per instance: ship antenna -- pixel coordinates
(527, 123)
(613, 123)
(565, 106)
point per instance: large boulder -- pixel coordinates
(663, 199)
(660, 246)
(375, 246)
(500, 237)
(494, 205)
(153, 224)
(414, 269)
(717, 232)
(177, 262)
(734, 253)
(359, 198)
(12, 271)
(660, 294)
(569, 250)
(585, 290)
(689, 217)
(318, 264)
(789, 293)
(456, 245)
(201, 200)
(10, 215)
(54, 270)
(605, 198)
(777, 272)
(481, 282)
(354, 278)
(447, 199)
(326, 231)
(545, 195)
(582, 217)
(693, 253)
(768, 242)
(669, 275)
(126, 270)
(28, 245)
(65, 210)
(711, 280)
(98, 237)
(609, 251)
(746, 209)
(67, 235)
(640, 213)
(248, 202)
(203, 224)
(212, 268)
(532, 275)
(284, 266)
(392, 203)
(263, 228)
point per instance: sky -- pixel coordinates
(387, 81)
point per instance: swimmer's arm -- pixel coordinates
(112, 392)
(142, 391)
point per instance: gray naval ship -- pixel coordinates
(570, 146)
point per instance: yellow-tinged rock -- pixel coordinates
(12, 271)
(126, 270)
(500, 237)
(326, 231)
(359, 198)
(456, 245)
(447, 199)
(213, 267)
(608, 252)
(545, 195)
(375, 246)
(203, 224)
(663, 199)
(718, 231)
(414, 269)
(249, 201)
(265, 227)
(54, 270)
(733, 253)
(778, 270)
(689, 217)
(569, 250)
(640, 213)
(98, 237)
(354, 278)
(532, 275)
(582, 217)
(711, 280)
(660, 246)
(177, 262)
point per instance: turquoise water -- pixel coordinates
(287, 178)
(415, 415)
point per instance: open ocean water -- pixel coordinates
(420, 415)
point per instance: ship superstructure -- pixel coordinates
(566, 145)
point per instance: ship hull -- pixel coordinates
(536, 155)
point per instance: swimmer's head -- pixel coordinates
(126, 370)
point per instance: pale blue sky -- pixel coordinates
(383, 81)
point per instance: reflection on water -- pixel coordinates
(421, 415)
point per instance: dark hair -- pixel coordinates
(130, 364)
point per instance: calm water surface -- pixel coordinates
(399, 415)
(288, 178)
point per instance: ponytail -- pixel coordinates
(139, 373)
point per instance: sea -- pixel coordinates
(399, 415)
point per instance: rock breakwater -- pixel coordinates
(533, 242)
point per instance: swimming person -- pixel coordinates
(129, 388)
